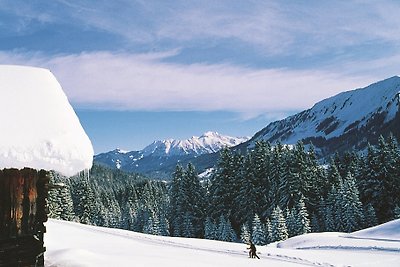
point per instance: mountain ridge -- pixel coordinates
(364, 113)
(165, 154)
(347, 121)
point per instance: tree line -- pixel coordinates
(269, 194)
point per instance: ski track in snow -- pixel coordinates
(154, 240)
(375, 239)
(352, 248)
(100, 246)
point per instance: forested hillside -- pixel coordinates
(269, 194)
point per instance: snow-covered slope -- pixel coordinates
(162, 156)
(386, 231)
(344, 121)
(39, 127)
(73, 244)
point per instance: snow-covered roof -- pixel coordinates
(39, 128)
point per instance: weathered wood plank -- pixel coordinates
(23, 211)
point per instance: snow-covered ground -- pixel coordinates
(73, 244)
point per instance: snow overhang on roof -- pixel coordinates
(39, 128)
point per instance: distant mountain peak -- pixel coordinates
(209, 142)
(347, 121)
(210, 134)
(168, 152)
(121, 151)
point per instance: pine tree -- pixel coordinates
(127, 219)
(245, 234)
(278, 226)
(299, 182)
(394, 151)
(187, 203)
(333, 178)
(246, 201)
(291, 222)
(268, 229)
(302, 220)
(177, 198)
(55, 204)
(67, 204)
(329, 222)
(278, 188)
(387, 156)
(163, 225)
(317, 179)
(315, 225)
(85, 204)
(210, 229)
(225, 230)
(373, 188)
(148, 227)
(370, 216)
(156, 229)
(196, 204)
(59, 199)
(224, 185)
(333, 210)
(187, 227)
(262, 172)
(350, 205)
(258, 235)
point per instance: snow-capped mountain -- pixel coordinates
(161, 157)
(348, 120)
(209, 142)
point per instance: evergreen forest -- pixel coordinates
(269, 194)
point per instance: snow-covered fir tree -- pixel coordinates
(268, 229)
(353, 191)
(210, 229)
(188, 229)
(187, 208)
(350, 206)
(258, 234)
(301, 216)
(225, 230)
(315, 224)
(245, 234)
(370, 216)
(278, 225)
(291, 222)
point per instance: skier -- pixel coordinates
(253, 251)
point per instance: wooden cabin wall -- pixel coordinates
(23, 211)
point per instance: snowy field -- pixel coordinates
(73, 244)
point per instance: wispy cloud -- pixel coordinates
(271, 27)
(341, 45)
(144, 82)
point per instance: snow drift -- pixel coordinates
(40, 129)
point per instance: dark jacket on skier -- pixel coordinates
(253, 250)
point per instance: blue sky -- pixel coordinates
(137, 71)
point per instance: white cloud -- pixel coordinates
(144, 82)
(270, 27)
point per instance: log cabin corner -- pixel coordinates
(40, 132)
